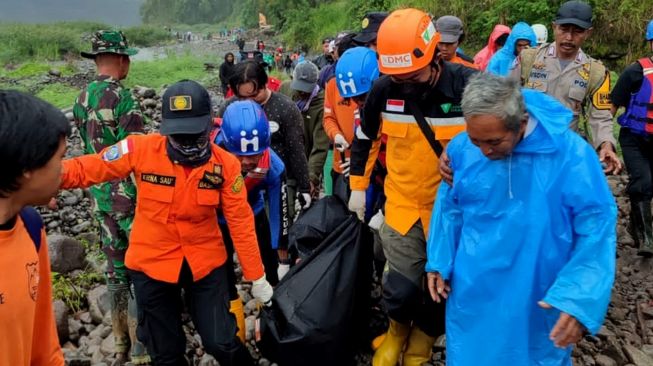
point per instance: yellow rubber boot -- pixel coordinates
(388, 353)
(376, 342)
(236, 308)
(418, 349)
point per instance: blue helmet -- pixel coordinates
(245, 128)
(356, 70)
(649, 31)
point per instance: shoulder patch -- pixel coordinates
(115, 152)
(238, 184)
(601, 98)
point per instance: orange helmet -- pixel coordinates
(406, 41)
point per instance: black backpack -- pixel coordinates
(33, 223)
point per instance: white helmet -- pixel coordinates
(541, 33)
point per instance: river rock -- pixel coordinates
(61, 320)
(74, 328)
(603, 360)
(208, 360)
(101, 331)
(613, 350)
(108, 346)
(98, 356)
(98, 302)
(83, 226)
(85, 317)
(66, 253)
(149, 93)
(648, 349)
(637, 357)
(149, 103)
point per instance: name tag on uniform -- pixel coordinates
(539, 75)
(162, 180)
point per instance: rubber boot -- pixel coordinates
(390, 350)
(236, 308)
(635, 225)
(138, 351)
(418, 349)
(376, 342)
(646, 222)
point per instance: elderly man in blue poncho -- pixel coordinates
(521, 36)
(522, 245)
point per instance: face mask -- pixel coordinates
(417, 90)
(189, 150)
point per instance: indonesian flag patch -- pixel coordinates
(394, 105)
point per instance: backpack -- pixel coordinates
(33, 223)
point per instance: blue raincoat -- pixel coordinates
(504, 60)
(538, 225)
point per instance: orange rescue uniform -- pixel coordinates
(459, 60)
(29, 335)
(175, 214)
(339, 118)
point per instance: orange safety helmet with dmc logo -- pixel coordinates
(406, 42)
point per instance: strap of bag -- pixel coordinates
(426, 129)
(33, 223)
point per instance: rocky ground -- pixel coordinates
(83, 319)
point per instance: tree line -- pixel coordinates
(618, 36)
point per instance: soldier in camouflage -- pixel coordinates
(106, 113)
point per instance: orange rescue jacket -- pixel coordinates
(339, 116)
(175, 212)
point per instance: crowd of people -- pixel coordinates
(492, 217)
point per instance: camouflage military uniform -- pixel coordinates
(105, 113)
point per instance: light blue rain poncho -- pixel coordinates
(503, 61)
(538, 225)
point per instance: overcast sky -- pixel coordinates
(112, 12)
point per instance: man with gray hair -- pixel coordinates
(522, 245)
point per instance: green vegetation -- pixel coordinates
(147, 35)
(34, 69)
(47, 42)
(155, 74)
(61, 96)
(72, 288)
(32, 42)
(617, 38)
(166, 71)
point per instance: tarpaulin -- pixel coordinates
(321, 307)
